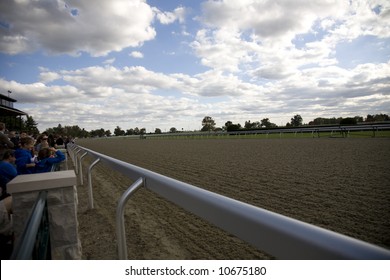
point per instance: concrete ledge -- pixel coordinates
(42, 181)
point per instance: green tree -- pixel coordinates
(348, 121)
(59, 130)
(157, 131)
(173, 130)
(266, 123)
(97, 133)
(324, 121)
(229, 126)
(30, 126)
(359, 119)
(118, 131)
(249, 125)
(377, 118)
(71, 131)
(208, 124)
(296, 120)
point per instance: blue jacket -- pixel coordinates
(23, 157)
(46, 164)
(7, 173)
(7, 170)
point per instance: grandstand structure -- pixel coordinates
(9, 115)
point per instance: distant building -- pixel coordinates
(8, 114)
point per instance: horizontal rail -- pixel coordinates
(278, 235)
(316, 129)
(280, 130)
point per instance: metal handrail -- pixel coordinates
(120, 218)
(81, 170)
(278, 235)
(90, 191)
(25, 246)
(278, 130)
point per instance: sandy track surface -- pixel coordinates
(339, 184)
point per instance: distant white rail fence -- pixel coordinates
(316, 131)
(278, 235)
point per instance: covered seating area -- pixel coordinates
(8, 114)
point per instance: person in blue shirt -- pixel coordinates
(7, 171)
(24, 162)
(7, 165)
(47, 157)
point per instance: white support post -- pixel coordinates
(81, 168)
(90, 191)
(120, 219)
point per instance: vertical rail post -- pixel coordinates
(120, 220)
(90, 192)
(81, 168)
(72, 149)
(76, 161)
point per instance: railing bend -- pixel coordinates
(120, 217)
(278, 235)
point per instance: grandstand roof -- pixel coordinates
(6, 107)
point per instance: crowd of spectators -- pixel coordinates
(23, 154)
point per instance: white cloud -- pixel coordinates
(109, 61)
(266, 33)
(97, 29)
(369, 18)
(170, 17)
(47, 77)
(40, 93)
(136, 54)
(264, 59)
(222, 49)
(135, 96)
(270, 19)
(13, 44)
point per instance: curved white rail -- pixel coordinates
(278, 235)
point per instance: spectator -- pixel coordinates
(23, 134)
(7, 171)
(59, 141)
(67, 141)
(5, 143)
(47, 157)
(14, 139)
(42, 142)
(24, 162)
(52, 142)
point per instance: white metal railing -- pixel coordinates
(343, 130)
(120, 217)
(278, 235)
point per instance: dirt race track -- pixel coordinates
(342, 184)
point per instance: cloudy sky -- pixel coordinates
(162, 64)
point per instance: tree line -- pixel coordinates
(208, 124)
